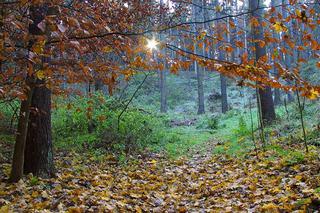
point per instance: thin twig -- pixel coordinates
(132, 97)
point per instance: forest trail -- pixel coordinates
(118, 99)
(202, 183)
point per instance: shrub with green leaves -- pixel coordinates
(131, 133)
(213, 123)
(9, 112)
(208, 122)
(94, 122)
(242, 129)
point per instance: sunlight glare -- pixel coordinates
(152, 44)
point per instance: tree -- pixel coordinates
(224, 95)
(81, 44)
(265, 101)
(275, 48)
(196, 12)
(57, 52)
(222, 31)
(162, 72)
(286, 57)
(38, 94)
(19, 147)
(38, 150)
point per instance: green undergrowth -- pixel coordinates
(6, 147)
(237, 134)
(7, 138)
(92, 124)
(138, 131)
(186, 139)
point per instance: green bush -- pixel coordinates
(213, 123)
(9, 112)
(207, 122)
(131, 133)
(293, 158)
(76, 115)
(242, 129)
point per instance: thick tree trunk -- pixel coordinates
(266, 101)
(19, 147)
(18, 162)
(38, 151)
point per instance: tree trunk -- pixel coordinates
(21, 135)
(162, 73)
(223, 86)
(223, 79)
(18, 161)
(163, 98)
(224, 99)
(266, 102)
(201, 109)
(38, 151)
(277, 97)
(317, 31)
(267, 105)
(287, 56)
(98, 85)
(275, 47)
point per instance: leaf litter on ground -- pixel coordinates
(203, 183)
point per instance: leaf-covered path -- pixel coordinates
(200, 184)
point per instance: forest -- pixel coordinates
(159, 106)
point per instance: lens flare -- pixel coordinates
(152, 44)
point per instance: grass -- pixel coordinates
(76, 142)
(235, 131)
(186, 139)
(7, 138)
(232, 130)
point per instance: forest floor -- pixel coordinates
(259, 182)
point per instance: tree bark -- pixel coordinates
(266, 101)
(277, 93)
(163, 95)
(223, 79)
(38, 150)
(224, 99)
(21, 135)
(98, 85)
(223, 87)
(317, 31)
(287, 57)
(201, 109)
(162, 73)
(277, 97)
